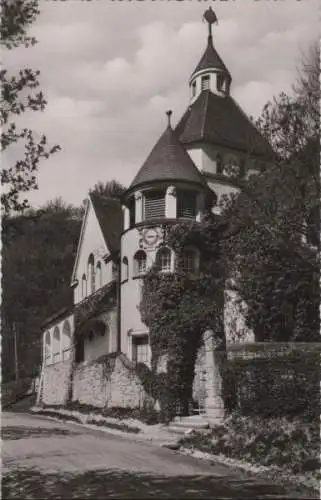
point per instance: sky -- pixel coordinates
(111, 69)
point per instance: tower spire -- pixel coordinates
(211, 18)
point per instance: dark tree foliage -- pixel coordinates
(110, 189)
(272, 246)
(38, 254)
(19, 94)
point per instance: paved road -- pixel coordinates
(47, 459)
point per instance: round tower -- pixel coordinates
(167, 189)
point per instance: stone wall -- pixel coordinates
(199, 392)
(56, 383)
(109, 381)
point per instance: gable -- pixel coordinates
(91, 240)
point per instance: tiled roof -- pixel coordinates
(110, 218)
(221, 121)
(210, 59)
(168, 161)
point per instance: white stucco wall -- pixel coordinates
(92, 242)
(131, 289)
(59, 350)
(100, 345)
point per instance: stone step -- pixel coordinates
(177, 430)
(194, 425)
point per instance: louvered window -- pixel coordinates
(186, 204)
(205, 83)
(154, 205)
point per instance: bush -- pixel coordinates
(278, 385)
(292, 445)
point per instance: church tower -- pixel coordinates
(209, 153)
(167, 189)
(222, 141)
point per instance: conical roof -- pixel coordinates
(221, 121)
(210, 59)
(168, 161)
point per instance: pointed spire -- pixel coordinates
(211, 18)
(169, 115)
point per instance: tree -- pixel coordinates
(271, 248)
(110, 189)
(38, 253)
(19, 95)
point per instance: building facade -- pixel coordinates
(208, 154)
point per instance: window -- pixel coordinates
(164, 259)
(125, 269)
(56, 344)
(99, 277)
(83, 286)
(66, 340)
(91, 273)
(205, 82)
(140, 346)
(186, 204)
(114, 271)
(132, 216)
(139, 263)
(189, 261)
(220, 82)
(219, 164)
(193, 89)
(154, 204)
(47, 348)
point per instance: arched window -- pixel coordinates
(164, 259)
(56, 348)
(219, 164)
(91, 273)
(139, 262)
(189, 261)
(66, 340)
(125, 269)
(83, 286)
(48, 350)
(99, 276)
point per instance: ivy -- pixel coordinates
(178, 307)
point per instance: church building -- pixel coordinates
(190, 168)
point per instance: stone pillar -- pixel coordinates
(171, 203)
(126, 217)
(138, 207)
(214, 405)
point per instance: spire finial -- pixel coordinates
(169, 114)
(210, 18)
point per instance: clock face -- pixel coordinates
(150, 236)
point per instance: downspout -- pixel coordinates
(118, 292)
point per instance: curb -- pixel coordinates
(138, 437)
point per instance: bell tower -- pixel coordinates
(211, 72)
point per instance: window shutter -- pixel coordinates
(154, 205)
